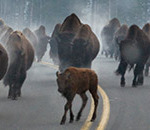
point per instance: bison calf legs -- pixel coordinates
(95, 97)
(84, 99)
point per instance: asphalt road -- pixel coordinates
(41, 106)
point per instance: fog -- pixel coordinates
(97, 13)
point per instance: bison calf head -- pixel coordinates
(62, 81)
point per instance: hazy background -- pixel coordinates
(32, 13)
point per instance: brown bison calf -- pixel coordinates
(77, 81)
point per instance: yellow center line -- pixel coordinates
(106, 110)
(88, 123)
(106, 107)
(50, 65)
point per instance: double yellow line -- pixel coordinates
(106, 107)
(105, 113)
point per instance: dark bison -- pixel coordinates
(21, 56)
(77, 81)
(53, 45)
(3, 61)
(134, 50)
(32, 38)
(85, 47)
(107, 36)
(118, 37)
(43, 40)
(146, 30)
(77, 44)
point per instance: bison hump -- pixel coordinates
(71, 24)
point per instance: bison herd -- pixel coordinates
(73, 47)
(130, 46)
(72, 43)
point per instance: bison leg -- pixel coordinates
(95, 97)
(71, 115)
(140, 79)
(67, 106)
(19, 85)
(121, 70)
(13, 95)
(10, 92)
(138, 71)
(84, 100)
(146, 69)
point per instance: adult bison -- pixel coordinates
(107, 36)
(53, 45)
(134, 50)
(146, 30)
(85, 47)
(3, 61)
(43, 40)
(77, 44)
(118, 37)
(77, 81)
(32, 38)
(21, 55)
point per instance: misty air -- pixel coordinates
(74, 64)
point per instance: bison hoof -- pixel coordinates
(122, 85)
(14, 98)
(92, 120)
(9, 97)
(134, 85)
(140, 84)
(62, 122)
(78, 117)
(70, 121)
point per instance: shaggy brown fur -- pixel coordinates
(43, 40)
(80, 42)
(77, 81)
(56, 30)
(118, 37)
(32, 38)
(3, 61)
(71, 24)
(146, 30)
(107, 35)
(5, 37)
(85, 47)
(135, 50)
(53, 53)
(21, 55)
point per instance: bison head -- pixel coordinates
(62, 81)
(65, 50)
(79, 54)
